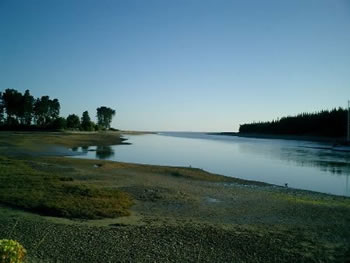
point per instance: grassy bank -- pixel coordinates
(32, 185)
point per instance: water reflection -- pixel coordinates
(333, 162)
(306, 155)
(100, 152)
(104, 152)
(300, 164)
(75, 149)
(85, 148)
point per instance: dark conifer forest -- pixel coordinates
(324, 123)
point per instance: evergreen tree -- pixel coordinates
(86, 123)
(324, 123)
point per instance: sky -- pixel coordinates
(179, 65)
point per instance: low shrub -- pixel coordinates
(11, 251)
(22, 186)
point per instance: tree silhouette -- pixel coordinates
(324, 123)
(12, 100)
(24, 112)
(60, 123)
(73, 122)
(2, 113)
(54, 109)
(105, 116)
(27, 108)
(46, 111)
(86, 123)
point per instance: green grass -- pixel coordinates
(53, 194)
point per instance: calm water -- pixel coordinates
(300, 164)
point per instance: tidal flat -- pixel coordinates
(73, 210)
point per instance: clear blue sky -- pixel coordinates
(192, 65)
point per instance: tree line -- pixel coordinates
(324, 123)
(22, 111)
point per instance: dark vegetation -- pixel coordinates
(324, 123)
(24, 112)
(104, 116)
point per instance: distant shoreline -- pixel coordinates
(283, 137)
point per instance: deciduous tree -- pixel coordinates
(11, 100)
(46, 111)
(105, 116)
(2, 113)
(27, 108)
